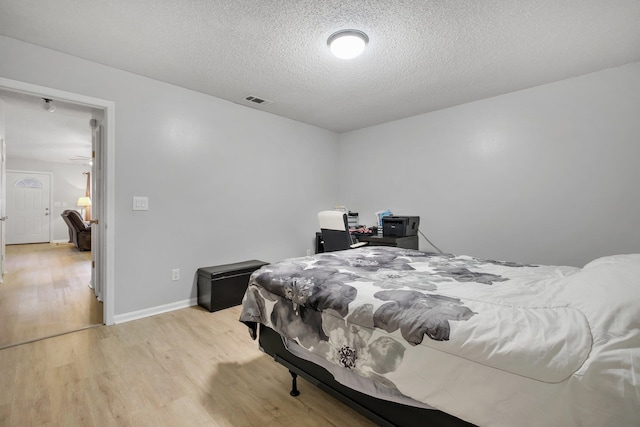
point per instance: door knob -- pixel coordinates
(93, 221)
(4, 218)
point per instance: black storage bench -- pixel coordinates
(223, 286)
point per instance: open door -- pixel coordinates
(97, 261)
(103, 184)
(3, 199)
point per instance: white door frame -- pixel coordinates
(106, 222)
(2, 191)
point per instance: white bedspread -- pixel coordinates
(603, 391)
(505, 344)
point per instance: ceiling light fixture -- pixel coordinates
(347, 44)
(47, 105)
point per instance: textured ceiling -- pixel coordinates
(422, 55)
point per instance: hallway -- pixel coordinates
(46, 293)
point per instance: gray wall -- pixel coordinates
(226, 183)
(542, 175)
(546, 175)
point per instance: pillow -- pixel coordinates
(614, 259)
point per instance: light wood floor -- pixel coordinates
(45, 292)
(188, 367)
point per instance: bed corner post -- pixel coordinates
(294, 384)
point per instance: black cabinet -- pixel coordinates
(223, 286)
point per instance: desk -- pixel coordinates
(409, 242)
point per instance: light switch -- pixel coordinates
(140, 203)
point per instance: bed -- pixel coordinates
(412, 338)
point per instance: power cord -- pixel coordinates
(425, 237)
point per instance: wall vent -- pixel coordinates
(259, 101)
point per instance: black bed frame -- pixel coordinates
(382, 412)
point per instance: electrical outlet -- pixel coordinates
(175, 274)
(308, 252)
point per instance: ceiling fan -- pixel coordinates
(86, 159)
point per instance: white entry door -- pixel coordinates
(28, 207)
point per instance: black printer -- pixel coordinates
(400, 226)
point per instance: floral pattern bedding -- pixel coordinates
(363, 309)
(415, 323)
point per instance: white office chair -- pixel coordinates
(335, 232)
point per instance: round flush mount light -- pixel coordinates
(347, 44)
(47, 105)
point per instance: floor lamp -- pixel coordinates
(83, 202)
(87, 193)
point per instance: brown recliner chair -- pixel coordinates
(79, 231)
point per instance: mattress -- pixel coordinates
(491, 342)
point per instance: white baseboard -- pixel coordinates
(133, 315)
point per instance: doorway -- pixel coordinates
(82, 266)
